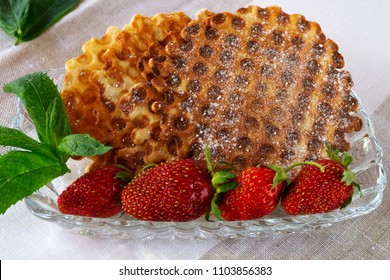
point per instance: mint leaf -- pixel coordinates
(22, 173)
(82, 145)
(37, 91)
(12, 15)
(27, 19)
(51, 119)
(42, 14)
(14, 138)
(57, 124)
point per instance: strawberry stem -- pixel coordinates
(125, 174)
(345, 159)
(145, 167)
(333, 154)
(207, 154)
(280, 175)
(221, 181)
(221, 178)
(304, 163)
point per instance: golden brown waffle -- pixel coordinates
(256, 86)
(97, 81)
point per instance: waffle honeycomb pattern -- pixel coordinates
(257, 86)
(102, 75)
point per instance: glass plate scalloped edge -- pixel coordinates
(365, 149)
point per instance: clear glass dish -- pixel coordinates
(367, 164)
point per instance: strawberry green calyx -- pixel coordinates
(345, 159)
(124, 174)
(349, 177)
(280, 175)
(145, 167)
(222, 181)
(312, 191)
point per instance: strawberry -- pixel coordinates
(95, 194)
(177, 190)
(315, 191)
(255, 195)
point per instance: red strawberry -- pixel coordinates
(95, 194)
(178, 190)
(255, 195)
(313, 191)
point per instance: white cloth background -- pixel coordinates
(361, 29)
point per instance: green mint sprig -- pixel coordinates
(38, 162)
(27, 19)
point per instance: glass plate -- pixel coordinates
(367, 164)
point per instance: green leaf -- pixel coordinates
(42, 14)
(27, 19)
(357, 185)
(51, 119)
(82, 145)
(347, 202)
(22, 173)
(12, 15)
(38, 93)
(348, 177)
(347, 159)
(221, 177)
(14, 138)
(207, 215)
(57, 124)
(207, 154)
(215, 208)
(226, 187)
(280, 175)
(125, 176)
(333, 154)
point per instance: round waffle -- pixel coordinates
(98, 80)
(257, 86)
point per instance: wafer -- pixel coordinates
(102, 75)
(257, 86)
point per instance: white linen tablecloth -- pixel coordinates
(360, 28)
